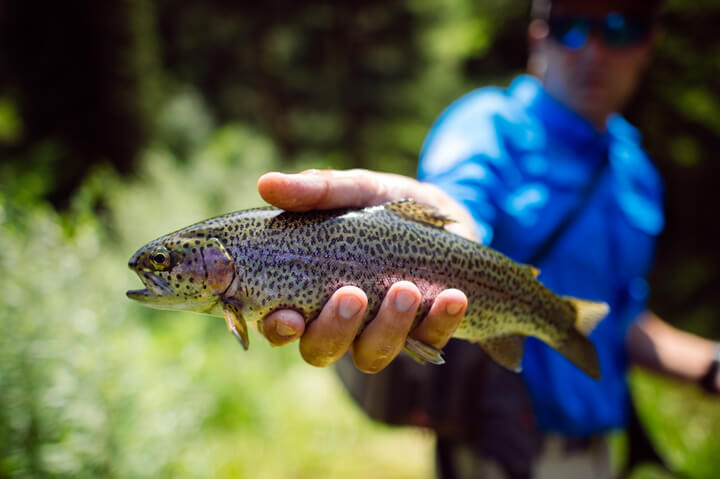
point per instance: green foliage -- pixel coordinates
(683, 423)
(93, 385)
(10, 122)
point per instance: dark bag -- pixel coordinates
(471, 400)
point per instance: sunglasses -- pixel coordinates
(615, 30)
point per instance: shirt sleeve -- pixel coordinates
(464, 155)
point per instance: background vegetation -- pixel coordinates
(121, 120)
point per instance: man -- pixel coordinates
(512, 166)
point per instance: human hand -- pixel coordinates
(328, 337)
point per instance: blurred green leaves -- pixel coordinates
(683, 423)
(193, 101)
(10, 122)
(93, 385)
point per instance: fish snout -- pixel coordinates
(134, 262)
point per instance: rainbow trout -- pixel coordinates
(244, 265)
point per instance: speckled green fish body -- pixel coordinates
(247, 264)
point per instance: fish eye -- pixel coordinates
(160, 258)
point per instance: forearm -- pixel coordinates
(654, 344)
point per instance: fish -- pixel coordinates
(244, 265)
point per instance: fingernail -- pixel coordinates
(349, 306)
(404, 300)
(285, 330)
(453, 308)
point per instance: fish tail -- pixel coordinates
(587, 313)
(577, 347)
(581, 352)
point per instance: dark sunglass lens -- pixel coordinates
(573, 33)
(620, 31)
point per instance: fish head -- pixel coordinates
(182, 272)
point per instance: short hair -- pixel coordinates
(543, 8)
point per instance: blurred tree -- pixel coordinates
(316, 76)
(82, 76)
(330, 83)
(679, 115)
(335, 83)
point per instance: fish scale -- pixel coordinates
(247, 264)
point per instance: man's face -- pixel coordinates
(595, 79)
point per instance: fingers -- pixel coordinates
(283, 327)
(327, 338)
(384, 337)
(292, 192)
(330, 335)
(444, 317)
(324, 189)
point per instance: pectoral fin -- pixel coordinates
(506, 350)
(236, 324)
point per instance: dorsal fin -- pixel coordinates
(420, 212)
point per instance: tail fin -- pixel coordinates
(581, 352)
(577, 347)
(587, 314)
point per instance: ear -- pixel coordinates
(537, 38)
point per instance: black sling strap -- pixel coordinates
(587, 193)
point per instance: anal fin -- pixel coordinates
(506, 350)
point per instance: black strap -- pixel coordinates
(588, 192)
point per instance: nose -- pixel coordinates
(595, 46)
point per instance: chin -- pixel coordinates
(594, 103)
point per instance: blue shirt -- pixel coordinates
(519, 160)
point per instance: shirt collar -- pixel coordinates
(558, 119)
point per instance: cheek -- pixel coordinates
(560, 67)
(629, 70)
(220, 270)
(191, 271)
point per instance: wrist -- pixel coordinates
(709, 380)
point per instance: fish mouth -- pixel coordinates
(140, 294)
(156, 287)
